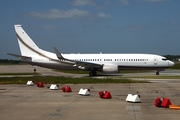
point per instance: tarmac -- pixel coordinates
(22, 102)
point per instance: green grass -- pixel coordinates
(64, 80)
(155, 77)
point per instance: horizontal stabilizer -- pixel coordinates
(20, 57)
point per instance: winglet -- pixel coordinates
(58, 54)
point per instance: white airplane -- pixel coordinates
(106, 63)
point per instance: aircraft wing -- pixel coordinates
(87, 65)
(79, 64)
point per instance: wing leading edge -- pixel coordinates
(79, 64)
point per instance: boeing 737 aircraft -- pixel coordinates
(106, 63)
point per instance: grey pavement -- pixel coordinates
(30, 69)
(21, 102)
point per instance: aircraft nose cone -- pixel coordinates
(171, 63)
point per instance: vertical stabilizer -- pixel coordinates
(26, 44)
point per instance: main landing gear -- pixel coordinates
(157, 72)
(92, 73)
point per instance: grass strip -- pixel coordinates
(65, 80)
(154, 77)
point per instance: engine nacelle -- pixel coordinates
(110, 69)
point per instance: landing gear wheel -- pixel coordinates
(92, 73)
(95, 73)
(157, 73)
(34, 70)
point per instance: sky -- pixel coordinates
(93, 26)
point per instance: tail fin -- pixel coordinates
(26, 44)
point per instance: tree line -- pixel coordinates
(172, 57)
(10, 62)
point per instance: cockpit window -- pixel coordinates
(164, 59)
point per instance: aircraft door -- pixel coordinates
(155, 60)
(101, 58)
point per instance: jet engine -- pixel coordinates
(110, 69)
